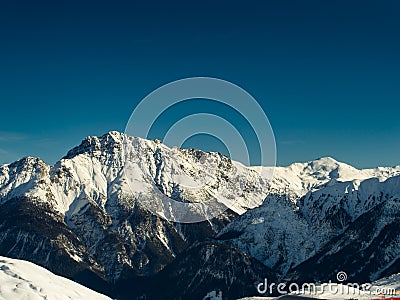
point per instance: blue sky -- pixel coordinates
(327, 73)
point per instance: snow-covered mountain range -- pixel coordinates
(81, 219)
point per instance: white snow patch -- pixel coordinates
(22, 280)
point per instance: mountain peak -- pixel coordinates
(27, 161)
(326, 159)
(105, 142)
(324, 163)
(115, 135)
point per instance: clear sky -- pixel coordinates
(327, 73)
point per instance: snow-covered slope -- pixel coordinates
(390, 282)
(22, 280)
(274, 233)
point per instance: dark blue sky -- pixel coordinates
(327, 73)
